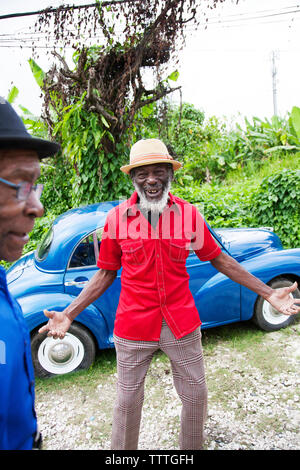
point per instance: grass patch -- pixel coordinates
(255, 171)
(237, 336)
(104, 365)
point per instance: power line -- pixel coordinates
(51, 10)
(35, 35)
(237, 21)
(64, 8)
(260, 11)
(254, 17)
(237, 25)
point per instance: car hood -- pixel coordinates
(15, 271)
(244, 243)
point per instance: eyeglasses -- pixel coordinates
(24, 189)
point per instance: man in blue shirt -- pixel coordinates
(19, 206)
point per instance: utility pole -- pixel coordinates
(274, 81)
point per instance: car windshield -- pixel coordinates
(43, 249)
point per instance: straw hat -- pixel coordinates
(13, 134)
(148, 152)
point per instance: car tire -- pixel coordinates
(269, 319)
(61, 356)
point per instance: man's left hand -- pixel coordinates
(282, 301)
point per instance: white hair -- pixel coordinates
(154, 206)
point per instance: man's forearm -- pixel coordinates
(232, 269)
(94, 289)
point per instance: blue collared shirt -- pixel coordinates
(17, 415)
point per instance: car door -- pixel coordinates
(82, 267)
(217, 297)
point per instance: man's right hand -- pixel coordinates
(58, 324)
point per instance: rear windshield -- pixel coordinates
(43, 249)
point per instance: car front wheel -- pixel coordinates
(60, 356)
(267, 317)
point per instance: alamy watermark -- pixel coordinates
(183, 222)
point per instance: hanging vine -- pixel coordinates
(93, 104)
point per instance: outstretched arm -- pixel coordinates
(278, 298)
(59, 322)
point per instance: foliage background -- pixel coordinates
(240, 176)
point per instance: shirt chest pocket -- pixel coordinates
(179, 250)
(133, 252)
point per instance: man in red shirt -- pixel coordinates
(150, 236)
(155, 282)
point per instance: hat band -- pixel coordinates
(151, 156)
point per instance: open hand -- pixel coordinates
(282, 301)
(57, 325)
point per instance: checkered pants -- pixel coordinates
(133, 361)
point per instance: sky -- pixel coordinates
(245, 63)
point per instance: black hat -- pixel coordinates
(13, 134)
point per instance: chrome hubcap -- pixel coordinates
(61, 353)
(60, 356)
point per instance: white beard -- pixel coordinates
(156, 206)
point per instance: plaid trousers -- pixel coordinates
(133, 361)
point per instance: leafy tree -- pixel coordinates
(96, 106)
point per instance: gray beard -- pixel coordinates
(156, 206)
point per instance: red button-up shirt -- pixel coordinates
(154, 279)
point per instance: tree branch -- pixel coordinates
(65, 71)
(143, 45)
(99, 108)
(157, 96)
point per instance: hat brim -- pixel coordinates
(126, 168)
(44, 148)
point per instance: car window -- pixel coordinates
(44, 247)
(87, 251)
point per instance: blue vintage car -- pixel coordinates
(52, 276)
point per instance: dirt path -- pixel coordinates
(253, 401)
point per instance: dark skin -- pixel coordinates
(17, 217)
(152, 179)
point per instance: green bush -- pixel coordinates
(222, 206)
(194, 141)
(211, 149)
(274, 202)
(56, 174)
(277, 203)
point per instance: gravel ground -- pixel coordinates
(253, 402)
